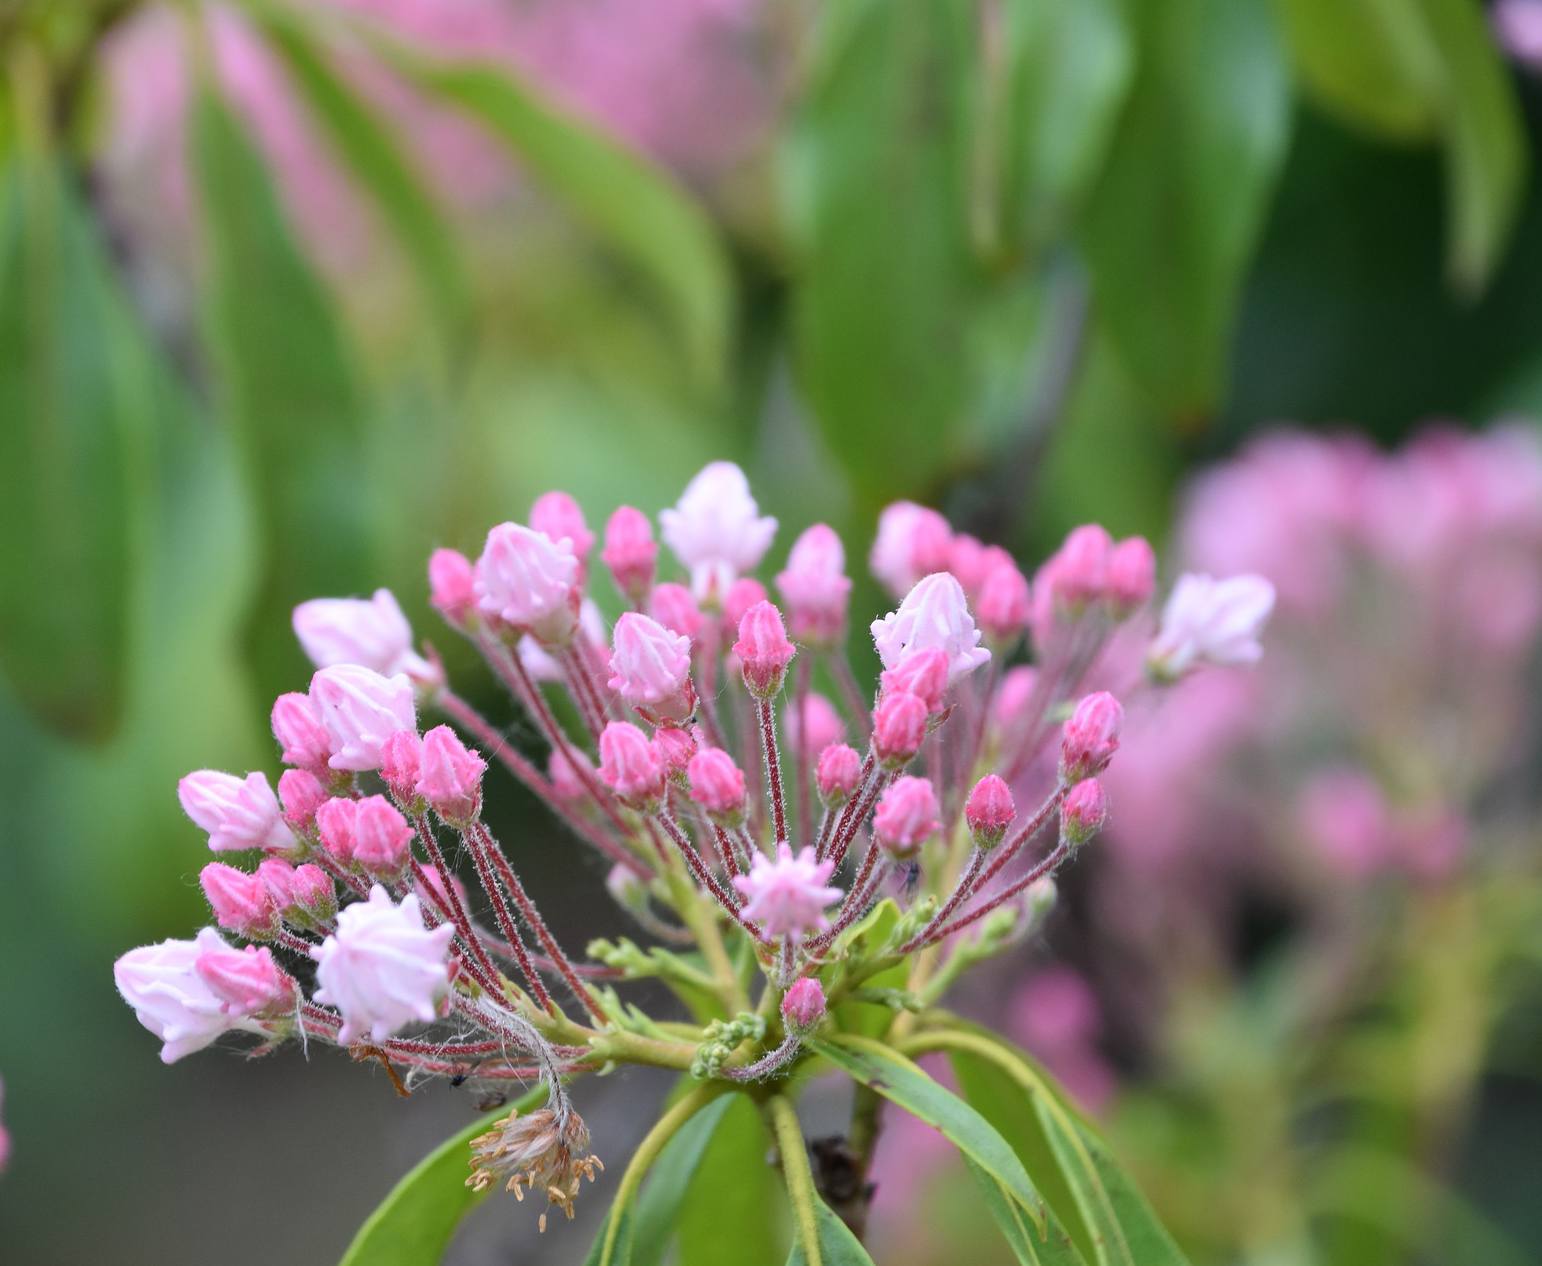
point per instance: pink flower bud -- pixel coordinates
(1010, 709)
(372, 633)
(1084, 812)
(1005, 604)
(675, 747)
(1209, 621)
(630, 552)
(171, 999)
(815, 587)
(381, 837)
(933, 614)
(803, 1005)
(315, 895)
(906, 817)
(238, 813)
(913, 541)
(451, 778)
(567, 783)
(837, 773)
(527, 580)
(1131, 575)
(334, 823)
(743, 594)
(717, 785)
(401, 764)
(630, 767)
(651, 667)
(277, 879)
(382, 969)
(361, 710)
(923, 673)
(558, 516)
(972, 562)
(989, 811)
(763, 650)
(716, 530)
(452, 585)
(673, 607)
(899, 728)
(1081, 570)
(299, 732)
(240, 901)
(814, 725)
(301, 793)
(247, 981)
(1090, 736)
(788, 896)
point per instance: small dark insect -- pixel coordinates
(491, 1100)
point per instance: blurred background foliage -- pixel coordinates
(292, 293)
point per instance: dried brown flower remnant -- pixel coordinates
(543, 1150)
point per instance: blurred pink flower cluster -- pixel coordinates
(686, 81)
(1396, 693)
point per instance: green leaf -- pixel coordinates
(75, 427)
(634, 207)
(1172, 224)
(900, 1081)
(414, 1224)
(378, 163)
(285, 382)
(868, 937)
(1069, 64)
(1056, 1248)
(887, 285)
(734, 1197)
(837, 1245)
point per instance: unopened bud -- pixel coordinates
(1090, 737)
(803, 1005)
(837, 774)
(763, 650)
(1084, 812)
(989, 811)
(899, 728)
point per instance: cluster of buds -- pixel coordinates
(741, 812)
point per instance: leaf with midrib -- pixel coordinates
(415, 1223)
(837, 1245)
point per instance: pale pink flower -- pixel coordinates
(630, 552)
(559, 517)
(763, 649)
(248, 981)
(1131, 574)
(650, 665)
(1210, 621)
(788, 896)
(907, 816)
(675, 746)
(837, 773)
(673, 606)
(382, 969)
(401, 764)
(334, 826)
(630, 766)
(361, 710)
(972, 561)
(1005, 603)
(381, 836)
(934, 613)
(171, 999)
(716, 530)
(1010, 708)
(301, 793)
(451, 585)
(526, 579)
(371, 632)
(812, 727)
(717, 784)
(815, 587)
(899, 728)
(913, 541)
(450, 776)
(923, 673)
(238, 813)
(240, 901)
(299, 731)
(743, 594)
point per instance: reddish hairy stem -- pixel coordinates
(505, 920)
(1035, 824)
(704, 876)
(848, 833)
(844, 817)
(773, 761)
(446, 899)
(801, 754)
(961, 890)
(846, 683)
(1061, 851)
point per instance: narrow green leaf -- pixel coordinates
(378, 163)
(900, 1081)
(634, 207)
(1056, 1248)
(735, 1196)
(664, 1194)
(75, 428)
(1173, 222)
(415, 1223)
(285, 382)
(837, 1245)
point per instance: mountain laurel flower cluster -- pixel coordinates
(809, 864)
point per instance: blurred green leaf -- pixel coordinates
(1054, 1248)
(75, 410)
(868, 936)
(885, 281)
(1068, 67)
(379, 164)
(414, 1224)
(285, 381)
(1171, 226)
(657, 1214)
(734, 1197)
(837, 1245)
(903, 1083)
(634, 207)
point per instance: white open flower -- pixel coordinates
(238, 813)
(934, 614)
(716, 530)
(382, 969)
(1210, 621)
(171, 999)
(372, 632)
